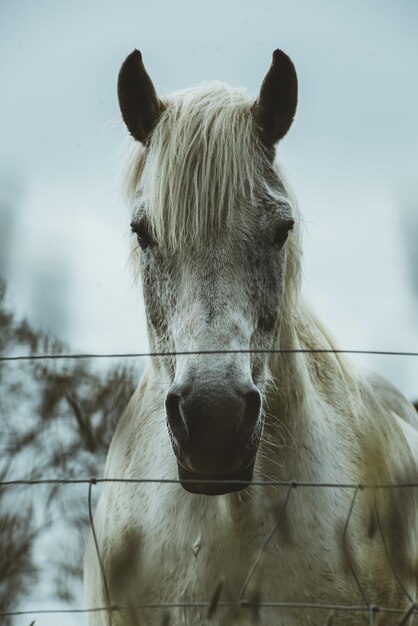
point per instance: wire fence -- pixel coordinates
(212, 604)
(126, 355)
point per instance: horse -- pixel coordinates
(262, 477)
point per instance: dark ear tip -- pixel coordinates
(279, 55)
(131, 64)
(133, 58)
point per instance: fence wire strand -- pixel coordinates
(199, 604)
(347, 551)
(388, 556)
(92, 482)
(128, 355)
(408, 613)
(266, 541)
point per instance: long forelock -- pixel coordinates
(204, 168)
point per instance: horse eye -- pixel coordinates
(142, 233)
(282, 232)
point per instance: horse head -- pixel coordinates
(217, 249)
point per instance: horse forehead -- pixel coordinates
(221, 259)
(216, 287)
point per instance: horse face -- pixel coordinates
(219, 289)
(224, 295)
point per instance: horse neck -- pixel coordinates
(304, 388)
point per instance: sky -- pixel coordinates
(351, 154)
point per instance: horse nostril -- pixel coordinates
(252, 404)
(251, 415)
(175, 418)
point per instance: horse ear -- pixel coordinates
(138, 100)
(275, 106)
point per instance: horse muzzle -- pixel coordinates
(217, 484)
(215, 436)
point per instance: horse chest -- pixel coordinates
(189, 554)
(190, 559)
(177, 549)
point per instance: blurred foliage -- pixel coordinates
(57, 418)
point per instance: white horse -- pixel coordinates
(219, 257)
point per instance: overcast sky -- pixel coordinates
(352, 154)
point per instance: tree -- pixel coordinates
(57, 418)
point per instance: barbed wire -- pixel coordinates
(367, 607)
(128, 355)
